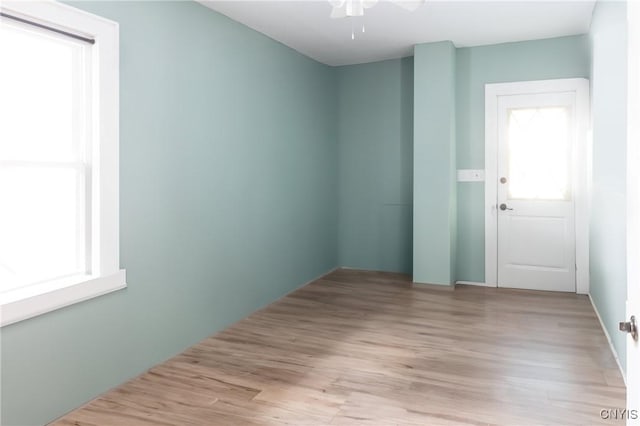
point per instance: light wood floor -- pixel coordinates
(368, 348)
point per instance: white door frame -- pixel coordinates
(582, 170)
(633, 204)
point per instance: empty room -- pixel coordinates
(319, 212)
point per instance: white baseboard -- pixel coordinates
(606, 333)
(472, 283)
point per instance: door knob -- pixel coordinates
(504, 207)
(630, 327)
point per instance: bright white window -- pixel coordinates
(58, 158)
(44, 169)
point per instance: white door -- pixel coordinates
(535, 192)
(536, 185)
(633, 212)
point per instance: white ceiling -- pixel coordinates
(391, 32)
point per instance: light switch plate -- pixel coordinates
(470, 175)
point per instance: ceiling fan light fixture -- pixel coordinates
(351, 8)
(354, 8)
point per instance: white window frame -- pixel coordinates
(106, 275)
(581, 178)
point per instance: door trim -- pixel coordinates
(631, 376)
(582, 170)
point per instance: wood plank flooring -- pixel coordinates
(361, 347)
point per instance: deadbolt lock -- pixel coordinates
(630, 327)
(503, 180)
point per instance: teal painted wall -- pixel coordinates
(434, 165)
(563, 57)
(228, 201)
(608, 203)
(376, 165)
(375, 136)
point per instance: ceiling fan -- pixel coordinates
(351, 8)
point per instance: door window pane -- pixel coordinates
(539, 153)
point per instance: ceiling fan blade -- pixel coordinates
(339, 12)
(410, 5)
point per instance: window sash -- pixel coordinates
(82, 128)
(82, 179)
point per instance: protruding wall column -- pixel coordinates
(434, 167)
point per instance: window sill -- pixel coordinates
(28, 302)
